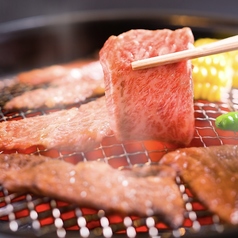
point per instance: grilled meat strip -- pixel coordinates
(64, 94)
(74, 86)
(53, 73)
(212, 174)
(141, 191)
(77, 129)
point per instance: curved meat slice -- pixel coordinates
(146, 191)
(51, 73)
(78, 129)
(88, 71)
(64, 94)
(211, 174)
(75, 86)
(155, 103)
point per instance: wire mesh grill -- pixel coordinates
(40, 216)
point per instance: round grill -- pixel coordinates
(30, 215)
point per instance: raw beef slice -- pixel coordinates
(155, 103)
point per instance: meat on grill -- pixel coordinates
(75, 129)
(155, 103)
(64, 94)
(141, 191)
(75, 86)
(211, 173)
(55, 72)
(88, 71)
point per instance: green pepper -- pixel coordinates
(227, 121)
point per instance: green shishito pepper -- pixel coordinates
(227, 121)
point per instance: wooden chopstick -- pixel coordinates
(227, 44)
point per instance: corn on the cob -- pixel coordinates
(212, 75)
(234, 58)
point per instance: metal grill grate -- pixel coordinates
(40, 216)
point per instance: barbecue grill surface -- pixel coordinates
(60, 39)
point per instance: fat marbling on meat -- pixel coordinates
(155, 103)
(74, 86)
(79, 128)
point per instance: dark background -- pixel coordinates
(18, 9)
(39, 47)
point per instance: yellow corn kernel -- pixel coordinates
(208, 92)
(212, 75)
(234, 58)
(197, 88)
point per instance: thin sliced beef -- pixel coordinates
(75, 129)
(64, 94)
(212, 174)
(51, 73)
(155, 103)
(88, 71)
(76, 85)
(141, 191)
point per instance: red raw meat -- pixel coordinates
(78, 129)
(87, 71)
(74, 86)
(155, 103)
(52, 73)
(63, 94)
